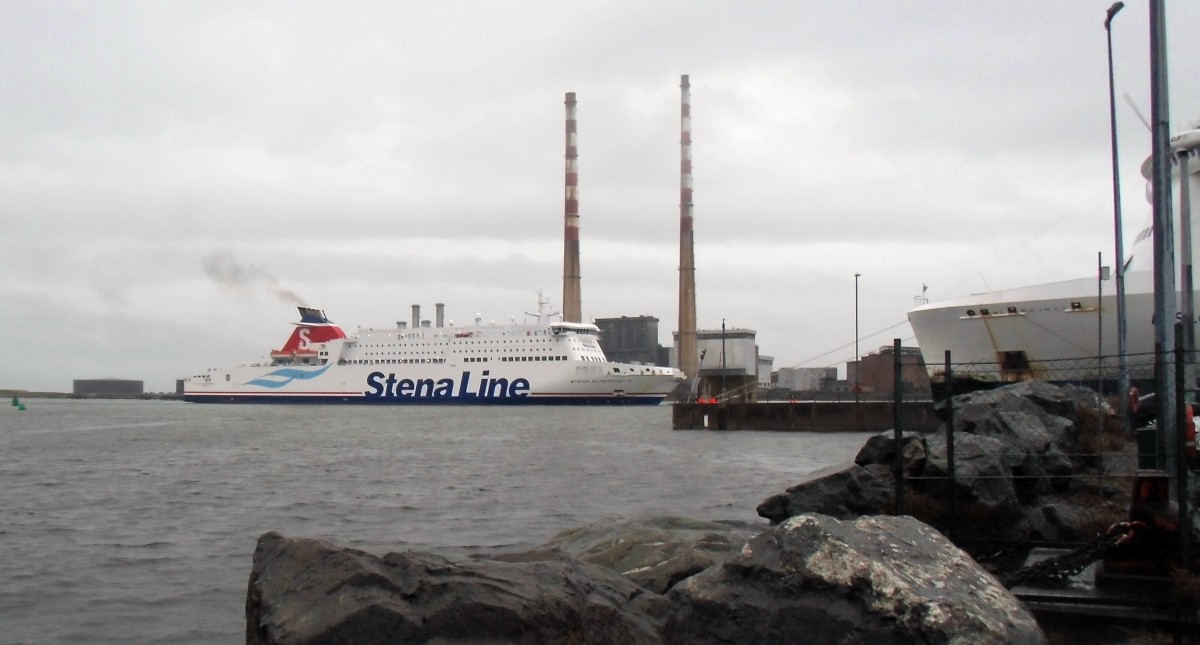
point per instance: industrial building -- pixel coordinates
(729, 365)
(876, 371)
(107, 387)
(765, 365)
(632, 339)
(806, 379)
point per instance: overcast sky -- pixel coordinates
(175, 176)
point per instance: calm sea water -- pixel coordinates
(136, 521)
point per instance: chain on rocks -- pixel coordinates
(1058, 570)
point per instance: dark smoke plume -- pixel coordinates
(222, 267)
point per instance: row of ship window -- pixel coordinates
(389, 361)
(458, 338)
(515, 358)
(468, 359)
(459, 342)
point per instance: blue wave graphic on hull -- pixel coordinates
(287, 374)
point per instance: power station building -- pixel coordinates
(632, 339)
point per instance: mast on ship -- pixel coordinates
(544, 314)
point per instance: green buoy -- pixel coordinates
(16, 402)
(20, 406)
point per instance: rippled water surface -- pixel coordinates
(135, 521)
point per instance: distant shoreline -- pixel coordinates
(25, 394)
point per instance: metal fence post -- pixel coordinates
(897, 386)
(953, 492)
(1181, 465)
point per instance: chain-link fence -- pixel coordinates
(1053, 453)
(1102, 374)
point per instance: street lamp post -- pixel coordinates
(722, 391)
(857, 363)
(1119, 235)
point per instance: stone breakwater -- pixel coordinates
(811, 579)
(1033, 462)
(833, 566)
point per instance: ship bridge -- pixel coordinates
(560, 328)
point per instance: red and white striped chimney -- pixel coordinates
(688, 358)
(572, 306)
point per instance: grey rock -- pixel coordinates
(1043, 465)
(655, 552)
(1051, 398)
(881, 449)
(1087, 398)
(814, 579)
(982, 469)
(1063, 430)
(842, 491)
(310, 591)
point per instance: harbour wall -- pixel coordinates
(805, 416)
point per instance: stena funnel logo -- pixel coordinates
(390, 386)
(304, 336)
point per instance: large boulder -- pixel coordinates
(1088, 398)
(1043, 465)
(1033, 437)
(814, 579)
(982, 468)
(841, 491)
(655, 552)
(310, 591)
(1064, 430)
(880, 449)
(1047, 396)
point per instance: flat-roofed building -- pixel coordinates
(805, 379)
(631, 339)
(875, 372)
(729, 363)
(107, 387)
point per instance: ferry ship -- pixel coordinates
(1042, 331)
(544, 362)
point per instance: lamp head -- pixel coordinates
(1112, 11)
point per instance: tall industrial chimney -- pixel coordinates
(688, 359)
(572, 306)
(416, 313)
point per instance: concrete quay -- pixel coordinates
(804, 416)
